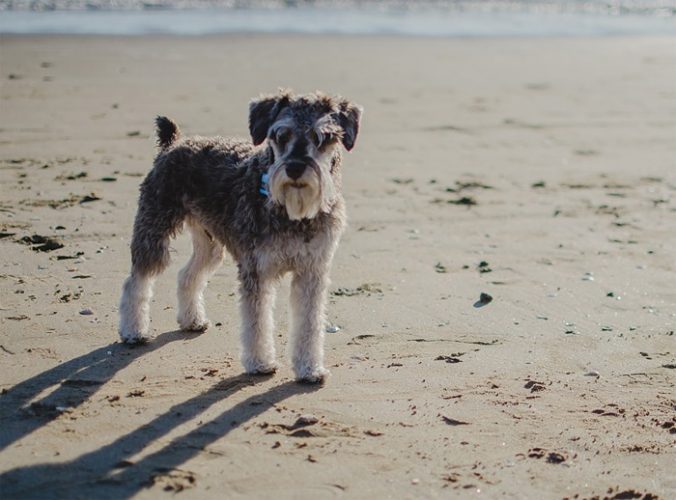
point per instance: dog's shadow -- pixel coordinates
(106, 472)
(73, 383)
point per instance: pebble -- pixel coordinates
(86, 312)
(332, 329)
(484, 298)
(307, 420)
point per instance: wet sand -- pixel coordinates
(539, 172)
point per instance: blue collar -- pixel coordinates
(264, 184)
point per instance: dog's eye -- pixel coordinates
(322, 139)
(329, 138)
(283, 136)
(315, 138)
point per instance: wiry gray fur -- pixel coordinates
(214, 186)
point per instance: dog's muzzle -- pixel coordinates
(296, 184)
(295, 169)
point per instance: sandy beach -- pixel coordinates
(541, 172)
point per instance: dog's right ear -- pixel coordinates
(262, 114)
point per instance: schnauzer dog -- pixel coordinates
(276, 208)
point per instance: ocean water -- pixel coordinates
(439, 18)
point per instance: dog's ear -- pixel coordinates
(262, 114)
(348, 118)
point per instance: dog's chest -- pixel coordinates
(287, 252)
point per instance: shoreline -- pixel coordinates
(378, 38)
(330, 21)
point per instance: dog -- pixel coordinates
(274, 203)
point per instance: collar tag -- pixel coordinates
(264, 184)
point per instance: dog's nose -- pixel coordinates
(295, 169)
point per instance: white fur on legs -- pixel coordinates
(257, 305)
(135, 308)
(192, 280)
(308, 291)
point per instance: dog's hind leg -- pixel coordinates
(192, 279)
(149, 256)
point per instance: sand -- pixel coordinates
(538, 171)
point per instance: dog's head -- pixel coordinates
(305, 133)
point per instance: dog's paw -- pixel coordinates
(254, 367)
(133, 338)
(195, 325)
(315, 375)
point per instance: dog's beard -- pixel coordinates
(302, 198)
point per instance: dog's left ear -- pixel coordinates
(262, 114)
(349, 116)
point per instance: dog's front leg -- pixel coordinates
(257, 304)
(308, 297)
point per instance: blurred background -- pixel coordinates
(440, 18)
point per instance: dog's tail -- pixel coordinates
(167, 132)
